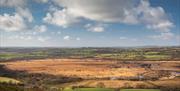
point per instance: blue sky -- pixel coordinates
(89, 23)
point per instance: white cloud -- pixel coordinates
(153, 17)
(25, 37)
(42, 39)
(29, 38)
(66, 37)
(12, 3)
(41, 28)
(123, 38)
(163, 36)
(129, 39)
(11, 22)
(25, 13)
(98, 10)
(19, 6)
(55, 33)
(16, 21)
(41, 1)
(67, 12)
(28, 33)
(60, 18)
(78, 39)
(95, 28)
(20, 37)
(58, 32)
(111, 11)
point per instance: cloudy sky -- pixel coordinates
(89, 23)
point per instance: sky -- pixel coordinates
(89, 23)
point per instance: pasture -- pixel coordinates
(107, 89)
(88, 89)
(9, 80)
(93, 69)
(140, 90)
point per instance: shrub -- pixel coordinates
(100, 85)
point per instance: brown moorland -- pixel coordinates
(74, 67)
(97, 71)
(90, 68)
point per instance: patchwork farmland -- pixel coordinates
(39, 69)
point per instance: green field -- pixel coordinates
(88, 89)
(68, 89)
(94, 89)
(9, 80)
(162, 53)
(140, 90)
(107, 89)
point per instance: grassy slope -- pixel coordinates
(104, 89)
(9, 80)
(88, 89)
(140, 90)
(94, 89)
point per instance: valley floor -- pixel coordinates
(103, 73)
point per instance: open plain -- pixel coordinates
(112, 74)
